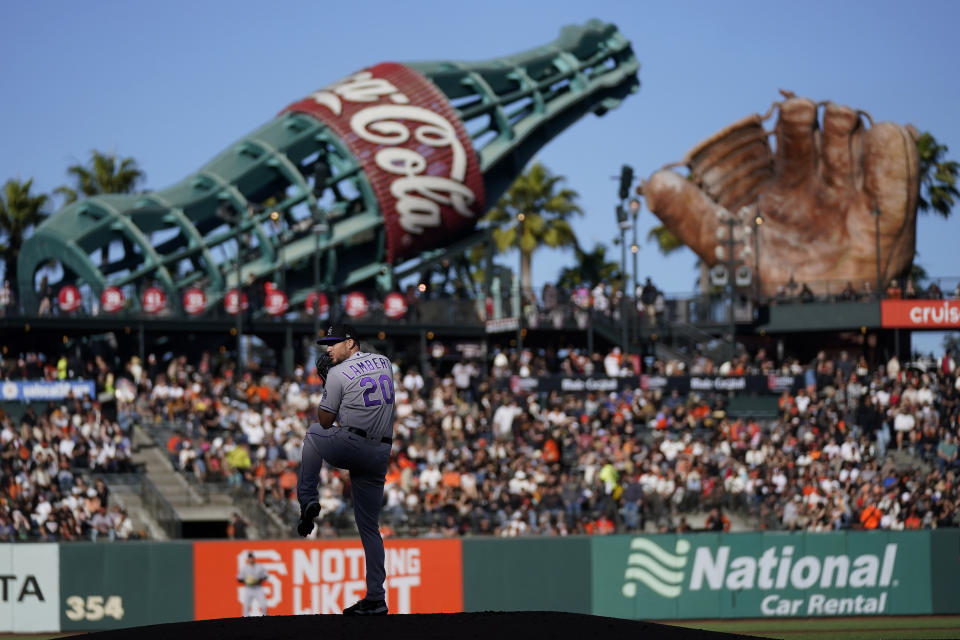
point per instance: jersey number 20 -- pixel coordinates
(369, 386)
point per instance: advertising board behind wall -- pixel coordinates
(30, 578)
(307, 577)
(755, 575)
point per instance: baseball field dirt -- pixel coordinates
(433, 626)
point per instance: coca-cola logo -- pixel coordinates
(68, 299)
(414, 150)
(230, 302)
(194, 301)
(276, 302)
(394, 306)
(154, 300)
(111, 299)
(356, 304)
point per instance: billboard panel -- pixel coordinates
(30, 574)
(307, 577)
(920, 314)
(753, 575)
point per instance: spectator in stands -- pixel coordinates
(947, 454)
(934, 292)
(601, 303)
(910, 291)
(716, 521)
(848, 294)
(648, 296)
(45, 307)
(237, 527)
(893, 290)
(7, 299)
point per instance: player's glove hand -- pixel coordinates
(305, 525)
(323, 362)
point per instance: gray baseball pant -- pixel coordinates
(366, 460)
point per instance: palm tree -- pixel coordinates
(105, 173)
(938, 176)
(667, 241)
(20, 210)
(533, 213)
(591, 268)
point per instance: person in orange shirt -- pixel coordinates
(870, 516)
(913, 521)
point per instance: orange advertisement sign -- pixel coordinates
(920, 314)
(324, 576)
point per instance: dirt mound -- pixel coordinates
(446, 626)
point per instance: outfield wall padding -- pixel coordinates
(526, 574)
(109, 585)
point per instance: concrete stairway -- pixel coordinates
(126, 492)
(201, 502)
(186, 500)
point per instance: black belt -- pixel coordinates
(363, 434)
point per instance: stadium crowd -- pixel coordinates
(853, 447)
(53, 459)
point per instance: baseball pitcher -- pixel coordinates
(358, 394)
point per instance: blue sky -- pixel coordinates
(172, 84)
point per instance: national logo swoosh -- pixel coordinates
(655, 567)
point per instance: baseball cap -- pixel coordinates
(338, 333)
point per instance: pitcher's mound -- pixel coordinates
(489, 625)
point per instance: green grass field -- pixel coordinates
(866, 628)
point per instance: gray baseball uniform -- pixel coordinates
(360, 392)
(252, 592)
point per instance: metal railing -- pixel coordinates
(544, 308)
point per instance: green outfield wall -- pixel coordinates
(87, 586)
(945, 569)
(527, 574)
(111, 586)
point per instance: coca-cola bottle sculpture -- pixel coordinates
(345, 184)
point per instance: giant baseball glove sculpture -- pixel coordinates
(816, 192)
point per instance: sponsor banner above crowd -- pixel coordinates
(683, 384)
(42, 390)
(423, 576)
(920, 314)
